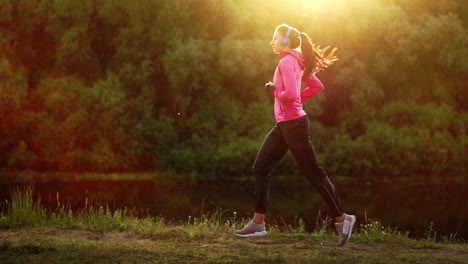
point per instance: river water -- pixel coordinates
(407, 205)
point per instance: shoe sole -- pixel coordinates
(256, 234)
(353, 220)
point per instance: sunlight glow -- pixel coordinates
(331, 6)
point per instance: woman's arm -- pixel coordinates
(291, 88)
(314, 86)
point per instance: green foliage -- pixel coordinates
(13, 120)
(374, 232)
(400, 139)
(178, 85)
(26, 211)
(23, 210)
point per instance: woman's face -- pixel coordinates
(276, 43)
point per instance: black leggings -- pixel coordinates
(292, 135)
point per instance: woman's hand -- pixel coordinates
(269, 88)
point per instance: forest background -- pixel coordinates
(178, 86)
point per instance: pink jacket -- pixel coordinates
(287, 80)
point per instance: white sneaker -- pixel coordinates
(345, 229)
(251, 230)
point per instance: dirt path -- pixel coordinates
(81, 246)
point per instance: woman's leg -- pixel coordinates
(296, 136)
(272, 150)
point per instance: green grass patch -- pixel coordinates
(31, 234)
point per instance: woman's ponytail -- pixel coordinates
(315, 57)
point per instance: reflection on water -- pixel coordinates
(406, 205)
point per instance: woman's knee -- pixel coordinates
(259, 169)
(316, 175)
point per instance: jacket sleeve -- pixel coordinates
(314, 86)
(291, 88)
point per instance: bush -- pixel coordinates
(401, 139)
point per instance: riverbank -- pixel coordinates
(182, 244)
(434, 201)
(29, 233)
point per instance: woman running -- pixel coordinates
(292, 128)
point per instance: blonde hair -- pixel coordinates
(315, 57)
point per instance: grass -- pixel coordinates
(30, 234)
